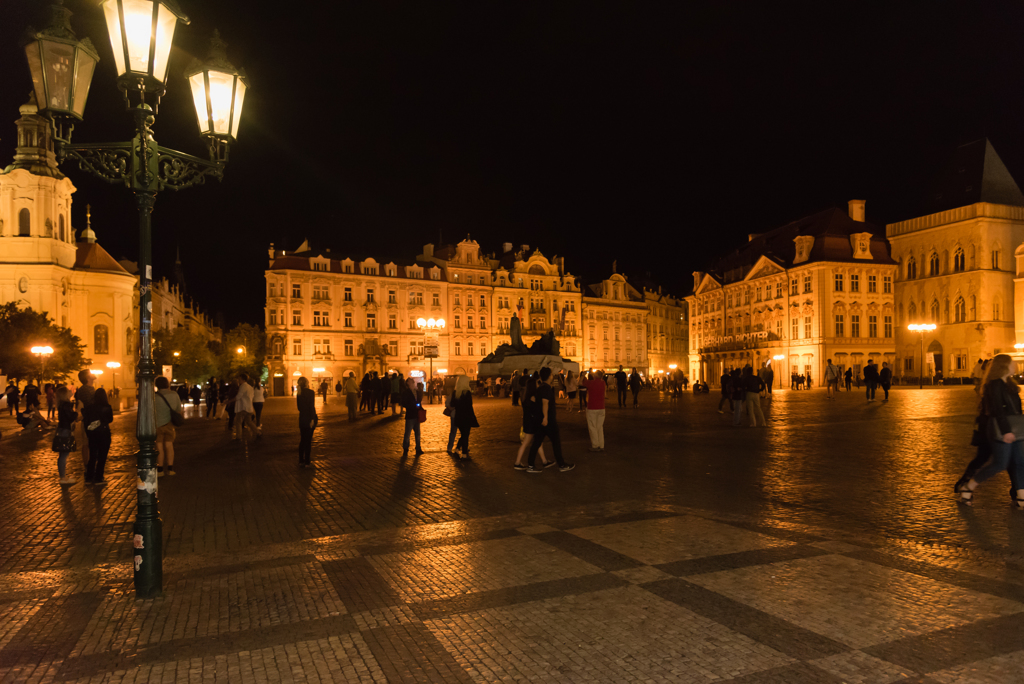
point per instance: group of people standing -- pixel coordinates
(741, 389)
(84, 415)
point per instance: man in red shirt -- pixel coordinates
(596, 389)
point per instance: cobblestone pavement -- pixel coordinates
(827, 547)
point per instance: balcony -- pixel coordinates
(538, 310)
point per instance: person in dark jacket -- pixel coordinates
(885, 379)
(212, 398)
(1000, 399)
(739, 395)
(726, 388)
(96, 419)
(871, 379)
(465, 418)
(548, 424)
(635, 383)
(752, 401)
(620, 386)
(305, 399)
(66, 419)
(411, 400)
(364, 392)
(848, 379)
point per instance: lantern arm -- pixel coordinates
(177, 170)
(111, 162)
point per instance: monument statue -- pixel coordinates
(516, 332)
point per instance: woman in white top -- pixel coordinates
(571, 387)
(257, 403)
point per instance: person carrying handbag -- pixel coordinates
(1004, 428)
(167, 410)
(64, 440)
(465, 418)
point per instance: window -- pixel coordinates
(320, 266)
(887, 284)
(839, 325)
(24, 223)
(348, 294)
(872, 326)
(793, 287)
(350, 348)
(296, 291)
(483, 301)
(348, 268)
(278, 347)
(296, 347)
(778, 328)
(778, 289)
(469, 322)
(271, 290)
(100, 338)
(371, 321)
(317, 347)
(296, 317)
(369, 294)
(458, 321)
(807, 327)
(911, 268)
(959, 310)
(273, 317)
(60, 223)
(887, 325)
(458, 349)
(995, 311)
(483, 323)
(436, 300)
(319, 292)
(320, 318)
(935, 311)
(469, 348)
(807, 283)
(839, 282)
(854, 282)
(348, 319)
(415, 298)
(391, 272)
(958, 260)
(392, 297)
(855, 325)
(483, 350)
(759, 294)
(933, 264)
(392, 322)
(960, 362)
(795, 332)
(393, 348)
(908, 363)
(369, 270)
(995, 259)
(458, 299)
(435, 274)
(872, 283)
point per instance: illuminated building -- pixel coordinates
(956, 268)
(817, 288)
(668, 329)
(615, 320)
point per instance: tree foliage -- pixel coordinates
(253, 341)
(196, 361)
(22, 329)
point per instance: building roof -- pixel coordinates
(300, 262)
(974, 174)
(92, 257)
(831, 230)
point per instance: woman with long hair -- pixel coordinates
(1000, 399)
(96, 419)
(51, 401)
(64, 441)
(465, 418)
(305, 399)
(571, 387)
(531, 419)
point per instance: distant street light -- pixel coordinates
(96, 371)
(921, 328)
(113, 366)
(430, 325)
(43, 353)
(177, 354)
(240, 350)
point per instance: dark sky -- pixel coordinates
(654, 134)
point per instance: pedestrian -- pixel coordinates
(412, 401)
(13, 398)
(571, 388)
(212, 399)
(244, 410)
(83, 397)
(465, 417)
(977, 374)
(582, 389)
(51, 401)
(753, 385)
(338, 388)
(726, 387)
(364, 391)
(378, 393)
(31, 395)
(514, 384)
(739, 395)
(1000, 403)
(351, 390)
(64, 440)
(620, 386)
(305, 400)
(196, 395)
(594, 386)
(395, 387)
(449, 410)
(549, 423)
(229, 404)
(258, 400)
(166, 403)
(635, 383)
(871, 379)
(848, 378)
(885, 379)
(770, 378)
(531, 421)
(832, 374)
(793, 380)
(97, 418)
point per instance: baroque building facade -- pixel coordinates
(616, 326)
(668, 332)
(817, 288)
(959, 267)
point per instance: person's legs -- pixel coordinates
(556, 444)
(409, 426)
(91, 476)
(737, 413)
(451, 434)
(464, 441)
(885, 388)
(62, 463)
(600, 428)
(592, 429)
(756, 414)
(721, 402)
(538, 439)
(524, 445)
(305, 444)
(636, 398)
(622, 397)
(101, 445)
(160, 456)
(259, 413)
(1000, 460)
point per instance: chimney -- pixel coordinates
(857, 210)
(506, 247)
(271, 253)
(428, 250)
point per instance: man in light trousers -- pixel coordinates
(595, 409)
(244, 412)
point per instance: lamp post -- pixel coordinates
(430, 325)
(113, 366)
(921, 328)
(43, 353)
(141, 32)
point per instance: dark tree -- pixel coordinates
(252, 342)
(22, 329)
(196, 361)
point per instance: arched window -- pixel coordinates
(960, 310)
(911, 312)
(974, 308)
(911, 268)
(945, 311)
(958, 260)
(933, 264)
(935, 311)
(996, 252)
(60, 228)
(100, 340)
(24, 223)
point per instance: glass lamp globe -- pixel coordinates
(141, 33)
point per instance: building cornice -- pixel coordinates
(960, 214)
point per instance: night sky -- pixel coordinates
(654, 134)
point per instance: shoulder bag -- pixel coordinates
(422, 415)
(1016, 427)
(64, 441)
(176, 418)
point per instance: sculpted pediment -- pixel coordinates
(763, 267)
(708, 284)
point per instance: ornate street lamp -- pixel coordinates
(141, 34)
(921, 328)
(43, 353)
(428, 326)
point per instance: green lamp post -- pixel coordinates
(141, 34)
